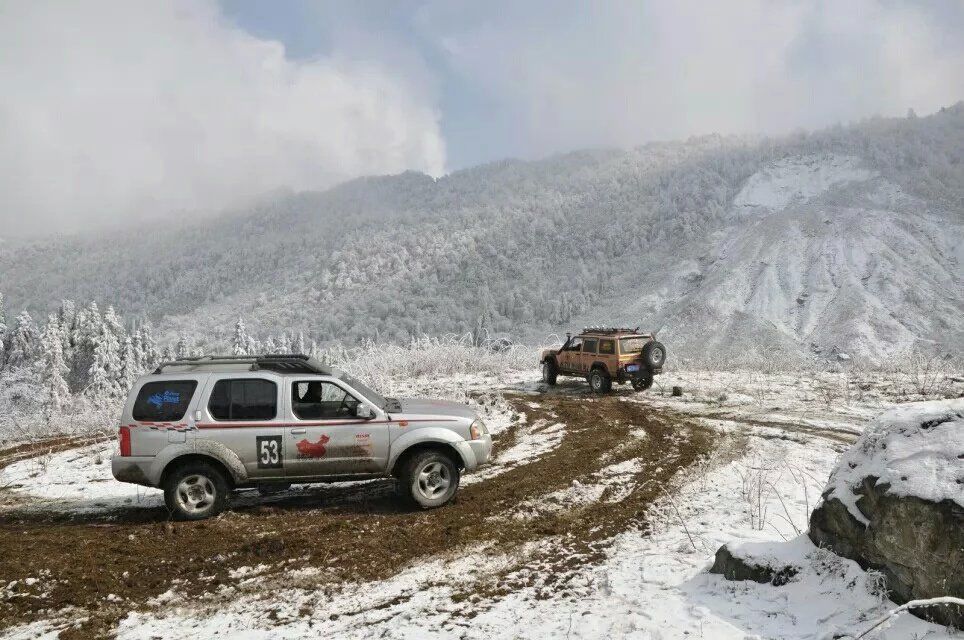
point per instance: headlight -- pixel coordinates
(477, 429)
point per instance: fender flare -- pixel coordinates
(208, 448)
(599, 364)
(430, 435)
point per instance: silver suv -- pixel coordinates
(200, 427)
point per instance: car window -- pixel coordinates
(607, 346)
(319, 400)
(574, 345)
(244, 399)
(631, 345)
(589, 346)
(163, 401)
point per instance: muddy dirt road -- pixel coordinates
(95, 569)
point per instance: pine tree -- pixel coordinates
(113, 324)
(52, 367)
(103, 385)
(284, 343)
(181, 347)
(130, 366)
(241, 339)
(66, 321)
(23, 343)
(86, 333)
(152, 355)
(300, 345)
(137, 346)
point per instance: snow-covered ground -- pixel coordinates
(651, 584)
(76, 480)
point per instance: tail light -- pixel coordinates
(125, 441)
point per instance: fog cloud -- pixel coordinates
(563, 75)
(122, 110)
(113, 111)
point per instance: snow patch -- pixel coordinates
(798, 179)
(80, 478)
(533, 441)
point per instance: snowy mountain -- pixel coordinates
(823, 253)
(845, 240)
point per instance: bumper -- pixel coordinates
(625, 376)
(133, 469)
(475, 452)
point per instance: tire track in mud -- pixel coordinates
(359, 532)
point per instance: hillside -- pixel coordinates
(849, 239)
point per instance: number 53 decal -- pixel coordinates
(269, 452)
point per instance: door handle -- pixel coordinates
(296, 431)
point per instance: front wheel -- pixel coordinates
(549, 372)
(195, 491)
(430, 479)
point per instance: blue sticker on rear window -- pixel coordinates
(164, 400)
(161, 399)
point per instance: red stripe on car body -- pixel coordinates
(284, 425)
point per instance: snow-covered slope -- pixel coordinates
(797, 180)
(822, 256)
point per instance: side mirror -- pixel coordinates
(364, 412)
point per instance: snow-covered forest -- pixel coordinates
(69, 373)
(528, 248)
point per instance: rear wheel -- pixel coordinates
(195, 491)
(549, 372)
(430, 479)
(643, 381)
(599, 381)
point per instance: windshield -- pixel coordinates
(631, 345)
(361, 388)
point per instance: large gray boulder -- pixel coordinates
(895, 503)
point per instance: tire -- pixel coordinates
(654, 354)
(549, 372)
(599, 381)
(643, 381)
(429, 479)
(196, 490)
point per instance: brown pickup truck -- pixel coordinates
(604, 356)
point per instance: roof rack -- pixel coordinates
(282, 362)
(610, 330)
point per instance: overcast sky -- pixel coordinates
(116, 112)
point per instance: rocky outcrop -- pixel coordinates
(735, 567)
(895, 503)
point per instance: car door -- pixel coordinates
(569, 357)
(244, 413)
(588, 355)
(607, 354)
(324, 436)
